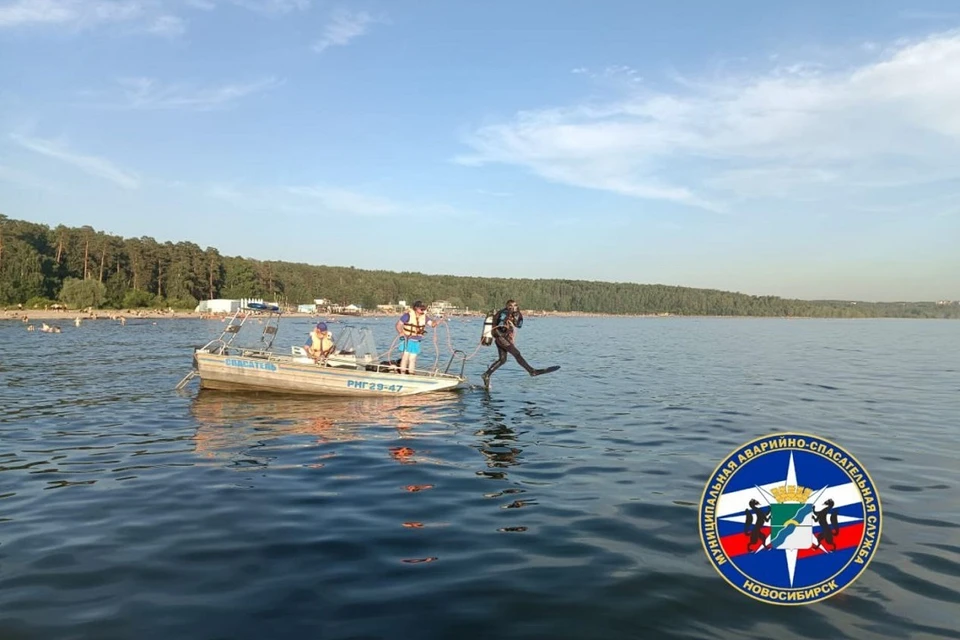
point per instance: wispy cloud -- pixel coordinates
(265, 7)
(310, 200)
(613, 74)
(77, 13)
(134, 17)
(273, 6)
(343, 27)
(344, 201)
(351, 202)
(34, 12)
(151, 94)
(157, 17)
(168, 26)
(791, 129)
(92, 165)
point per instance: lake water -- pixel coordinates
(563, 506)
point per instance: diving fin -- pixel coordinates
(540, 372)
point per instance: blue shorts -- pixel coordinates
(409, 346)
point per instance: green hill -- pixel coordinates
(86, 267)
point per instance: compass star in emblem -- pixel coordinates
(791, 515)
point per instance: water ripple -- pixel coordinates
(563, 506)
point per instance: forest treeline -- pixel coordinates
(82, 267)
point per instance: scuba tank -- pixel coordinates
(486, 337)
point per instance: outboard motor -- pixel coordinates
(486, 337)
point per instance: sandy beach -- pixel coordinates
(112, 314)
(155, 314)
(98, 314)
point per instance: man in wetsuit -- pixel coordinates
(505, 324)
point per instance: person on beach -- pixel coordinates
(505, 324)
(412, 326)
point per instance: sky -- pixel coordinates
(805, 150)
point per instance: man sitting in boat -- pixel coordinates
(412, 326)
(320, 342)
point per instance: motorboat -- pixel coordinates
(354, 368)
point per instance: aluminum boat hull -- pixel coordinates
(296, 376)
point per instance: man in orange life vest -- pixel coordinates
(412, 326)
(320, 342)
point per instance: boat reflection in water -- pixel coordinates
(234, 426)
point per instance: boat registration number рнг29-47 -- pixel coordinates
(373, 386)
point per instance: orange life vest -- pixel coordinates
(321, 341)
(416, 326)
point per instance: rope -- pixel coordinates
(450, 343)
(446, 324)
(386, 354)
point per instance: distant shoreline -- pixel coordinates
(131, 314)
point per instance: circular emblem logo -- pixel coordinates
(790, 519)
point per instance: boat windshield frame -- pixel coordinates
(359, 342)
(222, 344)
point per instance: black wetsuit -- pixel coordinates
(503, 328)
